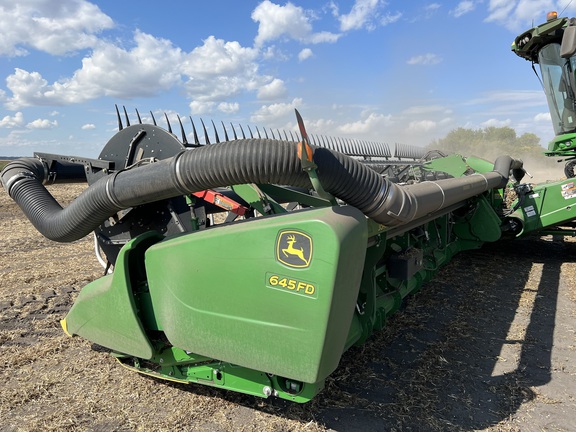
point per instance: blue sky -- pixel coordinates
(388, 71)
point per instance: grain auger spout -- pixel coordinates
(253, 263)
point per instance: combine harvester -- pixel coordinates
(253, 264)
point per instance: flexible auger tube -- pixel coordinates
(259, 161)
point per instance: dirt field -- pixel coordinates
(490, 344)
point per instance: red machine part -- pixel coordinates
(221, 201)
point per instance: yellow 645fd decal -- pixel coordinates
(295, 286)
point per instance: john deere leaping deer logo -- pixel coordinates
(294, 248)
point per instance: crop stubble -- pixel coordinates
(488, 345)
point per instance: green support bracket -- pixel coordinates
(309, 167)
(257, 199)
(290, 195)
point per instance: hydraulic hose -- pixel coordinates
(260, 161)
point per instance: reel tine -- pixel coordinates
(138, 115)
(285, 134)
(215, 132)
(225, 133)
(258, 132)
(120, 125)
(354, 147)
(352, 151)
(234, 131)
(388, 151)
(250, 130)
(374, 149)
(126, 116)
(206, 139)
(184, 140)
(196, 140)
(362, 148)
(168, 123)
(331, 145)
(243, 134)
(153, 119)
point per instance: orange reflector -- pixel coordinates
(551, 16)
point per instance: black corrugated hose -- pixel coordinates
(260, 161)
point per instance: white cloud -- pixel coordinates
(390, 18)
(212, 72)
(42, 124)
(371, 123)
(273, 52)
(198, 107)
(526, 98)
(9, 122)
(88, 126)
(16, 139)
(218, 57)
(152, 65)
(273, 90)
(320, 126)
(422, 14)
(500, 9)
(463, 8)
(322, 37)
(229, 107)
(517, 15)
(426, 109)
(422, 125)
(54, 27)
(272, 114)
(364, 14)
(543, 117)
(360, 15)
(305, 54)
(496, 123)
(289, 21)
(218, 70)
(26, 88)
(425, 59)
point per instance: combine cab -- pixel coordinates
(553, 46)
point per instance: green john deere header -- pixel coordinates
(252, 264)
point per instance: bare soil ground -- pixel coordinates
(488, 345)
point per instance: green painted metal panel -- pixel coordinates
(105, 311)
(479, 165)
(482, 225)
(274, 294)
(548, 204)
(457, 166)
(453, 165)
(562, 145)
